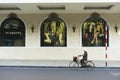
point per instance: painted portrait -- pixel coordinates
(94, 32)
(53, 32)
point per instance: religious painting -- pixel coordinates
(95, 32)
(53, 31)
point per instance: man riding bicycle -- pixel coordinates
(82, 61)
(84, 58)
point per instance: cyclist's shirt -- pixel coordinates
(85, 55)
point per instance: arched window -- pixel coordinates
(95, 31)
(53, 31)
(12, 31)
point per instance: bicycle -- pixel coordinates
(77, 64)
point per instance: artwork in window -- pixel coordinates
(53, 31)
(12, 32)
(94, 31)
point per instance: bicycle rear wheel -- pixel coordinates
(90, 65)
(73, 64)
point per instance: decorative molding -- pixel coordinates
(52, 15)
(12, 15)
(94, 15)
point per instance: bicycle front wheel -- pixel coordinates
(73, 64)
(90, 64)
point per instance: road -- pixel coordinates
(57, 73)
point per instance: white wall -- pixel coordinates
(33, 50)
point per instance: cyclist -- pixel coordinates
(84, 58)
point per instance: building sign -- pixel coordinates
(12, 31)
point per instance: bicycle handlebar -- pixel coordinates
(79, 55)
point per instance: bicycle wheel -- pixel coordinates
(73, 64)
(90, 64)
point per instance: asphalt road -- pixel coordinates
(58, 73)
